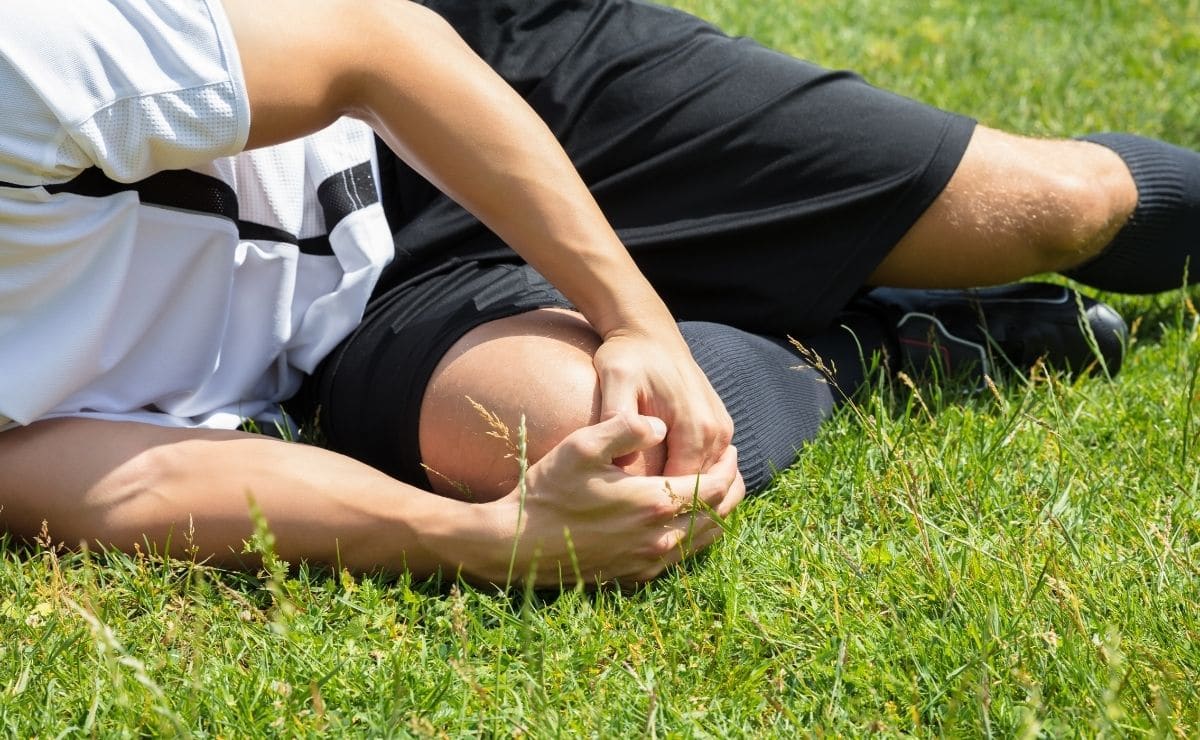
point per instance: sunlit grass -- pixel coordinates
(1016, 563)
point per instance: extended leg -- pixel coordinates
(1117, 212)
(1014, 207)
(788, 187)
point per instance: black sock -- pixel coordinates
(1162, 239)
(776, 396)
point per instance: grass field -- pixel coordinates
(1021, 563)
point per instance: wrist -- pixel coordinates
(474, 539)
(644, 316)
(611, 293)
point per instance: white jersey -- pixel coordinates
(132, 288)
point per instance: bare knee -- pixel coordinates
(1086, 199)
(535, 366)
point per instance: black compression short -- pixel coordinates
(753, 189)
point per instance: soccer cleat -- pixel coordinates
(994, 331)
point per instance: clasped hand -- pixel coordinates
(583, 516)
(656, 375)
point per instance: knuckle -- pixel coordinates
(622, 424)
(662, 547)
(616, 366)
(669, 543)
(728, 504)
(661, 510)
(715, 491)
(719, 432)
(623, 369)
(628, 421)
(578, 447)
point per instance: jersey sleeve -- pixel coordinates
(133, 87)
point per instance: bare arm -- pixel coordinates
(120, 484)
(401, 68)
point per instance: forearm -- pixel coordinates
(405, 71)
(451, 117)
(127, 484)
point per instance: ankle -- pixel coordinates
(1115, 193)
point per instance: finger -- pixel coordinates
(737, 493)
(611, 438)
(700, 538)
(687, 451)
(696, 528)
(667, 547)
(693, 444)
(737, 487)
(619, 390)
(687, 535)
(705, 489)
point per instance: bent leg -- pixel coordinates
(538, 365)
(753, 189)
(828, 183)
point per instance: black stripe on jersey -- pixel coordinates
(318, 246)
(339, 195)
(345, 192)
(181, 189)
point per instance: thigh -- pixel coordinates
(366, 397)
(752, 188)
(432, 387)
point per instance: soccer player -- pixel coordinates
(154, 290)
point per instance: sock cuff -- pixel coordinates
(1164, 188)
(1156, 170)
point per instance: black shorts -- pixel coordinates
(752, 189)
